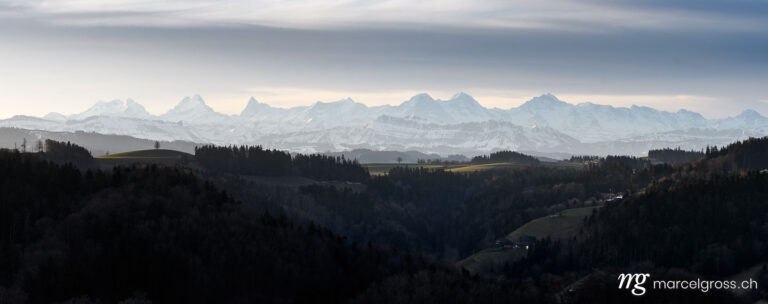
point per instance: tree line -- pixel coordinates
(255, 160)
(149, 233)
(505, 156)
(701, 219)
(676, 155)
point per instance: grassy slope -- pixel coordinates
(488, 260)
(562, 225)
(381, 169)
(154, 156)
(170, 157)
(482, 167)
(558, 226)
(147, 154)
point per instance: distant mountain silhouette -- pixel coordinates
(422, 123)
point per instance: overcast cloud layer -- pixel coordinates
(709, 56)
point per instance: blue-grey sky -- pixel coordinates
(63, 56)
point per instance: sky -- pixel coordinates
(63, 56)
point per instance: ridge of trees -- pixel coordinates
(158, 233)
(505, 156)
(255, 160)
(676, 155)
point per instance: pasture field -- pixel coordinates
(154, 156)
(491, 259)
(483, 167)
(556, 226)
(147, 154)
(382, 169)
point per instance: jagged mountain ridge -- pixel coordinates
(457, 125)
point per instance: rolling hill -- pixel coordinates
(148, 154)
(557, 226)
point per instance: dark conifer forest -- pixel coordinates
(674, 155)
(254, 160)
(505, 156)
(252, 225)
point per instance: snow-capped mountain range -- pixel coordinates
(457, 125)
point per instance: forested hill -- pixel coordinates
(170, 233)
(674, 155)
(254, 160)
(705, 219)
(751, 154)
(740, 156)
(161, 234)
(712, 227)
(235, 160)
(505, 156)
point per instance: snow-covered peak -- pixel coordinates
(746, 120)
(462, 96)
(686, 112)
(54, 116)
(341, 103)
(115, 108)
(643, 109)
(254, 107)
(464, 108)
(750, 114)
(134, 109)
(193, 110)
(588, 122)
(593, 107)
(194, 103)
(689, 115)
(464, 99)
(252, 102)
(418, 99)
(337, 111)
(544, 102)
(102, 108)
(460, 108)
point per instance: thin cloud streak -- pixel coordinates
(502, 52)
(549, 15)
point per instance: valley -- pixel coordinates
(501, 223)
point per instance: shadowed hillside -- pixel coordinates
(157, 233)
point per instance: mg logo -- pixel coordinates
(634, 281)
